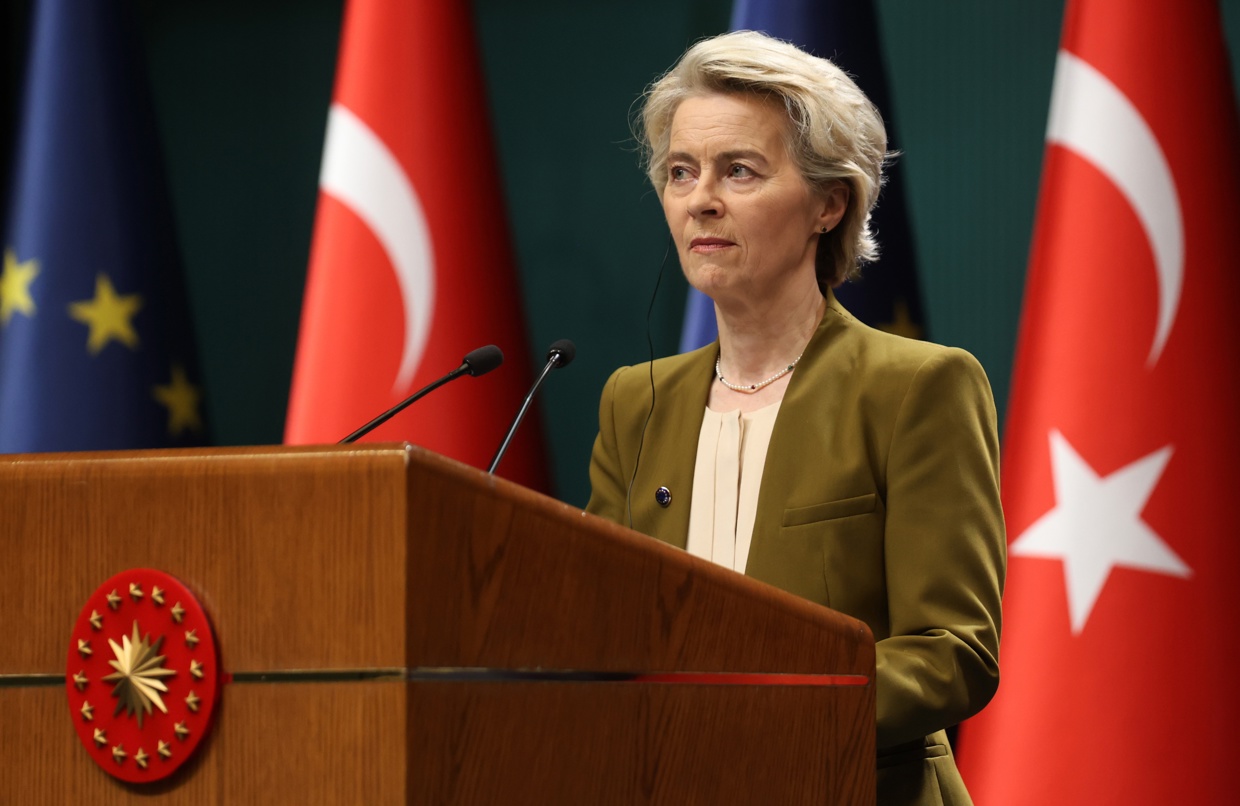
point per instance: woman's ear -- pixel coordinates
(835, 204)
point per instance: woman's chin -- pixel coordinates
(710, 280)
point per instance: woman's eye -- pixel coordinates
(739, 171)
(678, 173)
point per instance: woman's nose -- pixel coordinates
(703, 200)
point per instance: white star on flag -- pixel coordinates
(1096, 525)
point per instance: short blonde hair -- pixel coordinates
(834, 132)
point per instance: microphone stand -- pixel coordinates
(478, 362)
(561, 353)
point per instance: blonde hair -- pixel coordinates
(834, 132)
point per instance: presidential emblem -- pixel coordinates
(143, 676)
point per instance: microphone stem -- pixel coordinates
(525, 405)
(401, 406)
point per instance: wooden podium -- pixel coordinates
(402, 628)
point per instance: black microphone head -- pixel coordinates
(483, 360)
(566, 351)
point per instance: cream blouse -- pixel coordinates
(731, 454)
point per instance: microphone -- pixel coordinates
(479, 362)
(561, 354)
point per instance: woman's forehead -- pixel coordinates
(728, 121)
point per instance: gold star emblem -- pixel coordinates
(191, 702)
(181, 731)
(84, 648)
(135, 591)
(195, 668)
(140, 758)
(119, 754)
(88, 711)
(139, 667)
(178, 612)
(80, 680)
(15, 287)
(902, 323)
(181, 399)
(108, 316)
(191, 638)
(101, 737)
(157, 595)
(164, 750)
(96, 620)
(114, 601)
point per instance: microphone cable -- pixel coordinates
(658, 280)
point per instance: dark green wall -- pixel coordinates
(242, 89)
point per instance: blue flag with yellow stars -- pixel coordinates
(887, 295)
(96, 351)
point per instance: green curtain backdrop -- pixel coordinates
(242, 89)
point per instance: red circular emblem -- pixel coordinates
(143, 676)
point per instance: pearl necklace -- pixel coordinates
(753, 387)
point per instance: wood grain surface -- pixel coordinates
(527, 581)
(300, 743)
(376, 557)
(296, 554)
(622, 743)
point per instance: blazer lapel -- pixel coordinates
(670, 446)
(804, 407)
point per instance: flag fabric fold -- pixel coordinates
(888, 294)
(1119, 475)
(96, 348)
(410, 266)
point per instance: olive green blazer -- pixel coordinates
(879, 498)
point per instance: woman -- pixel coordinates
(851, 467)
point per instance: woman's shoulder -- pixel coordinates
(882, 352)
(672, 369)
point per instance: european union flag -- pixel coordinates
(95, 342)
(888, 295)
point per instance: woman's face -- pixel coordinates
(745, 222)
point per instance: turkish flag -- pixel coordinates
(410, 268)
(1120, 483)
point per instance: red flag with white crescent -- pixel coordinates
(410, 268)
(1120, 477)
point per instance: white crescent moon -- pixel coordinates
(361, 173)
(1093, 118)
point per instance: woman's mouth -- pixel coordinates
(709, 244)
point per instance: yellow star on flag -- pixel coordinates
(109, 316)
(15, 286)
(902, 323)
(181, 398)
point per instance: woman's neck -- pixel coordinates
(757, 343)
(754, 348)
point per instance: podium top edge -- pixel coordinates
(274, 451)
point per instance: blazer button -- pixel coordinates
(663, 496)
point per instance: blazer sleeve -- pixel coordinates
(607, 485)
(945, 552)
